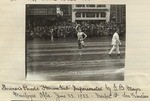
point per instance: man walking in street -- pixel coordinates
(115, 43)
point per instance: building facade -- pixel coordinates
(90, 12)
(118, 13)
(45, 15)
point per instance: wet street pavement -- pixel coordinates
(61, 60)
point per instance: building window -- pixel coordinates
(103, 14)
(97, 15)
(78, 14)
(90, 5)
(80, 5)
(83, 14)
(90, 15)
(101, 5)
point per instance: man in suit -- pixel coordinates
(115, 43)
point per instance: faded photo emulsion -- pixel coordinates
(78, 42)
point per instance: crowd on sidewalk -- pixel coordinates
(68, 29)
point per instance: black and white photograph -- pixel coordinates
(75, 42)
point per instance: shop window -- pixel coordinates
(83, 14)
(90, 5)
(80, 5)
(90, 15)
(78, 14)
(97, 15)
(101, 5)
(103, 14)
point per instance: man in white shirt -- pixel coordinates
(115, 42)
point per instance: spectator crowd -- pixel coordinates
(68, 29)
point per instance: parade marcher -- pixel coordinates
(115, 43)
(81, 36)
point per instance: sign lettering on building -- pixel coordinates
(39, 10)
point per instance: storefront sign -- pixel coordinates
(40, 10)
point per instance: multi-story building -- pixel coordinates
(47, 14)
(118, 13)
(90, 12)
